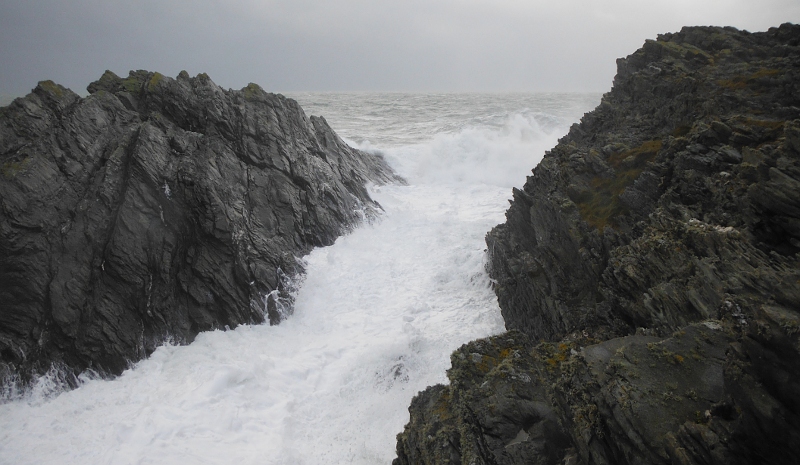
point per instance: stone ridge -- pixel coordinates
(156, 208)
(648, 272)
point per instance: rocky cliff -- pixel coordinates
(156, 208)
(649, 274)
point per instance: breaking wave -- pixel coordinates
(374, 320)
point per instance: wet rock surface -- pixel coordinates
(648, 272)
(156, 208)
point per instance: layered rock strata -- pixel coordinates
(649, 274)
(156, 208)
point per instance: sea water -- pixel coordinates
(376, 315)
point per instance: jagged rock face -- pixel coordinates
(156, 208)
(655, 252)
(696, 138)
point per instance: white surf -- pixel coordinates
(375, 317)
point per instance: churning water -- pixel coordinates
(375, 317)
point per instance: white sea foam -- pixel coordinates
(499, 156)
(375, 321)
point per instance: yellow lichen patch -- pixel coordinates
(442, 407)
(750, 80)
(765, 130)
(636, 157)
(486, 364)
(600, 205)
(586, 416)
(681, 131)
(479, 362)
(554, 356)
(766, 124)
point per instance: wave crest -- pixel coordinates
(500, 154)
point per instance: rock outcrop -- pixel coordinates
(649, 274)
(156, 208)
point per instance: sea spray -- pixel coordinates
(374, 321)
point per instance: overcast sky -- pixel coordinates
(352, 45)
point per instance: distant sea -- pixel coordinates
(376, 315)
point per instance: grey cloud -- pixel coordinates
(435, 45)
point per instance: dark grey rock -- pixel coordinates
(156, 208)
(649, 273)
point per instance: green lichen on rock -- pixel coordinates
(12, 168)
(52, 88)
(253, 91)
(752, 80)
(108, 82)
(136, 83)
(680, 51)
(132, 85)
(153, 81)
